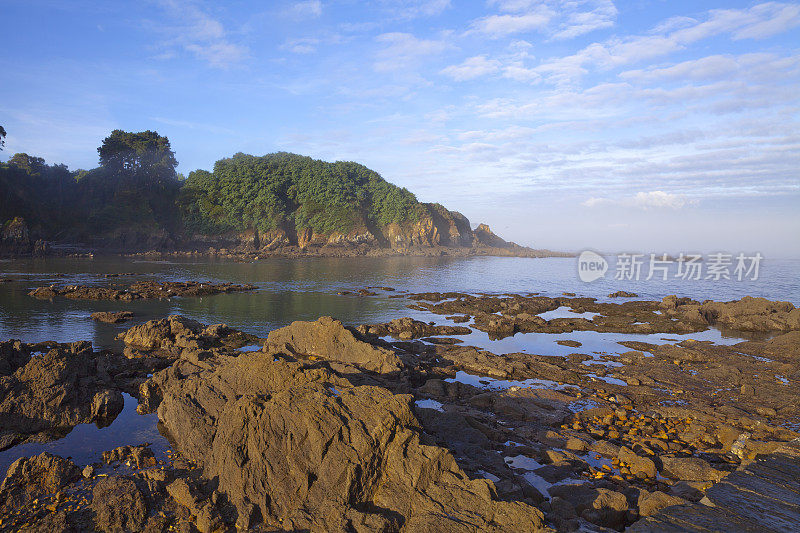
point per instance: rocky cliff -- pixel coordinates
(436, 230)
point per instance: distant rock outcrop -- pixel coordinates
(15, 237)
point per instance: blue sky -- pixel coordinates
(641, 125)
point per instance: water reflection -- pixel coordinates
(86, 442)
(304, 289)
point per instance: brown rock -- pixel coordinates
(31, 477)
(138, 456)
(293, 442)
(690, 469)
(68, 385)
(597, 505)
(639, 466)
(652, 502)
(329, 339)
(118, 505)
(112, 317)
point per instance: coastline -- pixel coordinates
(589, 438)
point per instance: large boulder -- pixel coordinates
(68, 385)
(118, 505)
(329, 339)
(690, 469)
(752, 314)
(598, 505)
(747, 314)
(168, 333)
(295, 445)
(407, 328)
(31, 477)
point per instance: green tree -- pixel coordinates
(288, 191)
(143, 153)
(28, 163)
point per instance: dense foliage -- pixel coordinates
(135, 187)
(136, 190)
(287, 191)
(37, 192)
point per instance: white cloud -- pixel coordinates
(497, 26)
(560, 19)
(643, 200)
(301, 46)
(675, 35)
(776, 19)
(306, 9)
(199, 33)
(471, 68)
(601, 14)
(404, 50)
(659, 199)
(423, 8)
(753, 65)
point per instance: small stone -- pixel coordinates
(576, 445)
(88, 471)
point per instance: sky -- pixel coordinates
(645, 125)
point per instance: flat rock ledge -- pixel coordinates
(762, 496)
(140, 290)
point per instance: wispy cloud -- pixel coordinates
(644, 200)
(670, 36)
(404, 50)
(306, 9)
(507, 24)
(411, 9)
(559, 19)
(194, 30)
(471, 68)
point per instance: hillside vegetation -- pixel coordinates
(136, 200)
(282, 190)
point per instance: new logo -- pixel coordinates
(591, 266)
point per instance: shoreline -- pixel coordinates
(632, 435)
(295, 252)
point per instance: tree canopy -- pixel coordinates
(137, 190)
(2, 137)
(289, 191)
(145, 152)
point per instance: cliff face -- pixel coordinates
(435, 228)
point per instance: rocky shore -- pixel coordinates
(439, 233)
(397, 426)
(138, 291)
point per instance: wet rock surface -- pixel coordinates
(327, 338)
(504, 316)
(139, 290)
(334, 428)
(408, 328)
(292, 442)
(112, 317)
(52, 387)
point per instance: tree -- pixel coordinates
(29, 163)
(144, 153)
(2, 137)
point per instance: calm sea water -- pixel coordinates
(304, 289)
